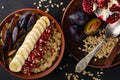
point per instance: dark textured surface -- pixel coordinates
(12, 5)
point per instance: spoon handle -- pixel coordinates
(82, 64)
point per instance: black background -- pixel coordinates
(12, 5)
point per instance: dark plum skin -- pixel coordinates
(31, 21)
(13, 23)
(24, 19)
(7, 38)
(79, 18)
(14, 35)
(75, 33)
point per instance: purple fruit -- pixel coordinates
(75, 33)
(73, 29)
(15, 34)
(24, 19)
(78, 18)
(31, 21)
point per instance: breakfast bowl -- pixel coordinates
(32, 43)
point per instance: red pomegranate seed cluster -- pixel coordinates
(115, 8)
(103, 3)
(38, 52)
(113, 18)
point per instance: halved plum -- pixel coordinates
(92, 26)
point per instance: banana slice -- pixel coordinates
(26, 47)
(37, 32)
(20, 58)
(23, 52)
(47, 21)
(33, 35)
(42, 23)
(31, 38)
(39, 27)
(15, 65)
(29, 44)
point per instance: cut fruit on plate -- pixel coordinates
(107, 10)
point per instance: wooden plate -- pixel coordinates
(72, 47)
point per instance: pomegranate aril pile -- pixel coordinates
(113, 18)
(87, 6)
(115, 8)
(36, 55)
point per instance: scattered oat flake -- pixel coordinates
(63, 9)
(66, 74)
(52, 5)
(79, 48)
(57, 5)
(95, 59)
(38, 7)
(50, 1)
(2, 7)
(72, 76)
(46, 6)
(39, 2)
(75, 77)
(61, 3)
(47, 10)
(60, 68)
(98, 72)
(42, 0)
(66, 65)
(34, 3)
(101, 72)
(69, 55)
(98, 75)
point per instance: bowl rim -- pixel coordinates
(59, 58)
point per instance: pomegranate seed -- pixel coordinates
(52, 50)
(28, 60)
(41, 41)
(33, 62)
(35, 46)
(48, 31)
(114, 8)
(36, 65)
(50, 28)
(53, 22)
(45, 48)
(113, 18)
(33, 57)
(31, 65)
(28, 72)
